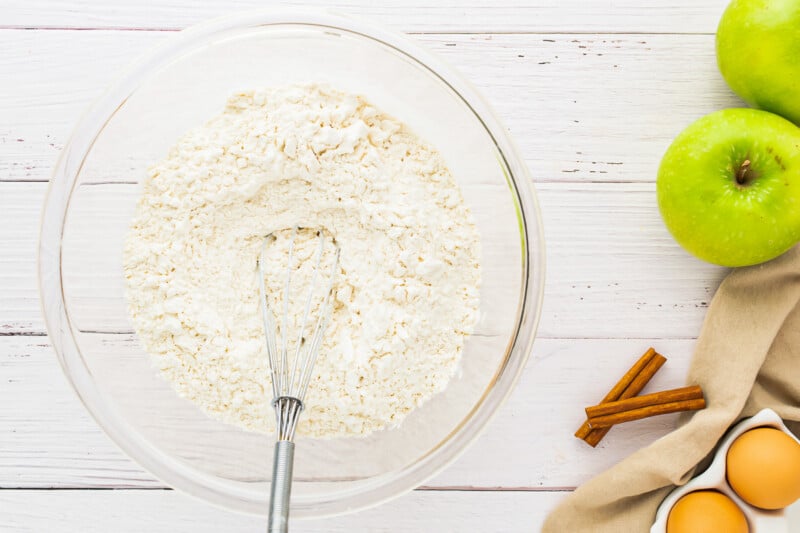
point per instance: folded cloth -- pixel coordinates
(746, 358)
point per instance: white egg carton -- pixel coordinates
(713, 478)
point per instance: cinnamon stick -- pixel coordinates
(692, 392)
(647, 412)
(634, 387)
(637, 385)
(659, 403)
(644, 377)
(616, 392)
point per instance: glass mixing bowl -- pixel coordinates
(92, 197)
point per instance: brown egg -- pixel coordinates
(763, 467)
(706, 511)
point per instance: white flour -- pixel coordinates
(407, 294)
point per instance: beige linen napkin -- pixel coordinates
(747, 358)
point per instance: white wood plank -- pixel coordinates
(581, 107)
(134, 511)
(20, 207)
(416, 15)
(46, 435)
(608, 255)
(55, 77)
(49, 440)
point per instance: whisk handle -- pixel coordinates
(281, 488)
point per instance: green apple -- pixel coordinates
(758, 53)
(729, 187)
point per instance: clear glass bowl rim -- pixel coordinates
(186, 479)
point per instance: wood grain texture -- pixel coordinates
(47, 438)
(582, 108)
(157, 511)
(593, 93)
(20, 206)
(679, 16)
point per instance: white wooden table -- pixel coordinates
(593, 91)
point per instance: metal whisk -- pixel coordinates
(290, 379)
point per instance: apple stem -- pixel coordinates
(742, 173)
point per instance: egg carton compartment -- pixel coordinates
(714, 478)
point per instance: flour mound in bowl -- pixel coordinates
(407, 295)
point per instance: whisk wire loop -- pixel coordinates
(269, 320)
(292, 378)
(283, 383)
(310, 359)
(302, 347)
